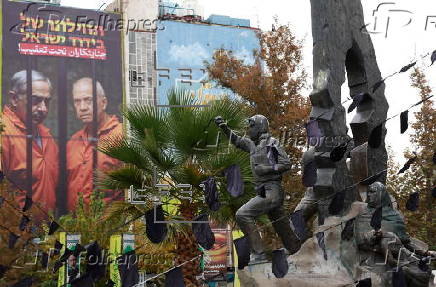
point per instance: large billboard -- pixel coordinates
(72, 58)
(182, 49)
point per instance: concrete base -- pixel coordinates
(308, 268)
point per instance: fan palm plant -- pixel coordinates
(179, 145)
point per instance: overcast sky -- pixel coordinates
(402, 45)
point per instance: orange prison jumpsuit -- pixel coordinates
(80, 167)
(45, 165)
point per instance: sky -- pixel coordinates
(409, 35)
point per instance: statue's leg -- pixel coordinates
(280, 221)
(245, 217)
(309, 206)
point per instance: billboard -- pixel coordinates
(72, 58)
(182, 49)
(216, 261)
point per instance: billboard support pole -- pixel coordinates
(94, 121)
(29, 127)
(62, 124)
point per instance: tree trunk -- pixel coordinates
(187, 249)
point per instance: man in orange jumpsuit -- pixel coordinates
(80, 147)
(44, 149)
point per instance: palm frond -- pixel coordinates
(123, 178)
(125, 150)
(142, 118)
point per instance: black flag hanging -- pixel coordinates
(357, 100)
(404, 121)
(3, 270)
(364, 283)
(83, 281)
(53, 227)
(338, 152)
(243, 250)
(348, 231)
(309, 174)
(26, 282)
(27, 203)
(44, 259)
(297, 219)
(337, 203)
(280, 265)
(433, 57)
(94, 254)
(203, 233)
(235, 184)
(434, 158)
(313, 130)
(57, 248)
(24, 221)
(398, 278)
(375, 138)
(376, 219)
(412, 203)
(128, 267)
(156, 232)
(174, 278)
(433, 192)
(321, 242)
(12, 240)
(407, 165)
(406, 68)
(370, 180)
(211, 194)
(272, 154)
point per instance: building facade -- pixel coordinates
(166, 45)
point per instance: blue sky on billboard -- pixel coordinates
(183, 49)
(401, 31)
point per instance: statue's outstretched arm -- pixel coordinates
(242, 143)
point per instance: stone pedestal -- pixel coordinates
(308, 268)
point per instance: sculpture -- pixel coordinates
(268, 162)
(392, 240)
(308, 204)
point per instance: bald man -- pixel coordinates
(80, 147)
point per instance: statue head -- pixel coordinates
(257, 125)
(378, 196)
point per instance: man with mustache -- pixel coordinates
(80, 147)
(44, 148)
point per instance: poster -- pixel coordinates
(73, 59)
(71, 268)
(215, 268)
